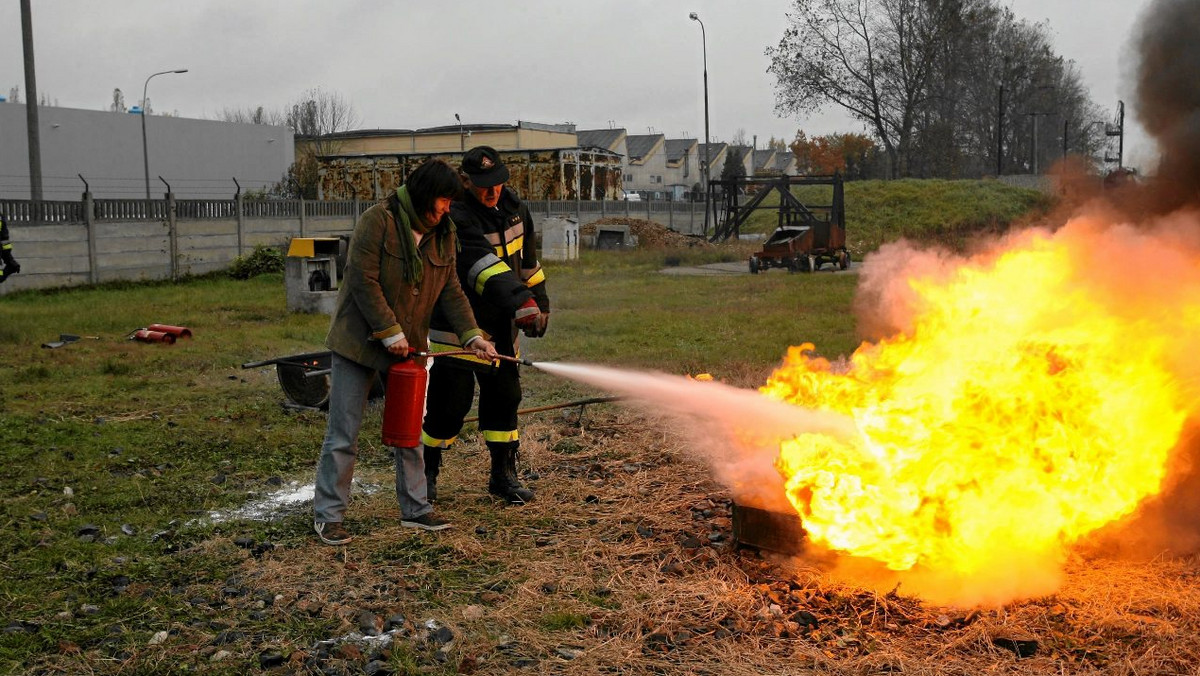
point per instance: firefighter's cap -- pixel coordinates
(483, 166)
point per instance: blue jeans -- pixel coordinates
(348, 392)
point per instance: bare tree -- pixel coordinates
(315, 119)
(318, 114)
(14, 95)
(258, 115)
(944, 85)
(118, 101)
(873, 58)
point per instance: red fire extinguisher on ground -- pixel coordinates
(404, 404)
(148, 336)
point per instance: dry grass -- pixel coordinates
(625, 564)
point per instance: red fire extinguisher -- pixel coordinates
(404, 404)
(148, 336)
(177, 331)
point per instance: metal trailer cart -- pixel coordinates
(305, 378)
(807, 235)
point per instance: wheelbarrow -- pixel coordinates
(305, 378)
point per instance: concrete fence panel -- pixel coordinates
(95, 241)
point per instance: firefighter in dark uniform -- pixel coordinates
(11, 266)
(499, 271)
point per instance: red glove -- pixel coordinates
(527, 315)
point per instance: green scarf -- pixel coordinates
(407, 219)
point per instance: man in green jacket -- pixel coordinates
(400, 265)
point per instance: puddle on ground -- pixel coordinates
(282, 502)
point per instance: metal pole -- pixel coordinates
(707, 138)
(462, 143)
(1035, 140)
(31, 114)
(1000, 134)
(145, 147)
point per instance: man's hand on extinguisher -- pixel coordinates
(483, 349)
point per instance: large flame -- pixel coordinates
(1034, 395)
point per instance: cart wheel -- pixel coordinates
(844, 259)
(753, 265)
(312, 392)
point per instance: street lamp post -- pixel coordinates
(707, 140)
(462, 142)
(145, 148)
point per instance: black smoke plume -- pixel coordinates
(1168, 93)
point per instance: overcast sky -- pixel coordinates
(407, 64)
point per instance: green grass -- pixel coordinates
(142, 440)
(562, 620)
(947, 212)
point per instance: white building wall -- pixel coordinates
(651, 175)
(199, 158)
(688, 172)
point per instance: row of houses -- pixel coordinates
(547, 161)
(113, 155)
(662, 168)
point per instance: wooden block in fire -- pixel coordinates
(766, 529)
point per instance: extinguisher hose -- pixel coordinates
(317, 373)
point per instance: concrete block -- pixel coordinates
(560, 239)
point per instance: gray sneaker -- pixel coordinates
(332, 533)
(426, 521)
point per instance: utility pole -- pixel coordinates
(1000, 133)
(707, 138)
(31, 114)
(1034, 140)
(1035, 115)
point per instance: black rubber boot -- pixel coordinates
(503, 481)
(433, 465)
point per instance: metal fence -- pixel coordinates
(54, 212)
(22, 211)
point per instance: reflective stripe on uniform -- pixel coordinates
(513, 247)
(515, 232)
(482, 264)
(444, 341)
(500, 437)
(436, 443)
(513, 239)
(534, 277)
(487, 273)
